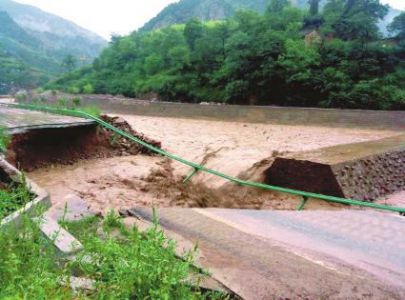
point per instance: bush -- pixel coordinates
(62, 102)
(73, 90)
(76, 101)
(88, 89)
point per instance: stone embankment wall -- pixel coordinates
(362, 171)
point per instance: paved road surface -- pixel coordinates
(322, 254)
(19, 120)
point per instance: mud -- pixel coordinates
(63, 146)
(144, 181)
(239, 149)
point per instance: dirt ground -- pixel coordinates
(238, 149)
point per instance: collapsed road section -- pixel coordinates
(40, 139)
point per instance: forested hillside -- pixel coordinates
(23, 63)
(207, 10)
(204, 10)
(60, 37)
(36, 46)
(286, 56)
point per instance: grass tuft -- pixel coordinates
(15, 196)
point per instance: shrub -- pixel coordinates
(73, 90)
(76, 101)
(62, 102)
(88, 89)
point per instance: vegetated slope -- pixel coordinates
(205, 10)
(23, 61)
(254, 58)
(59, 36)
(34, 45)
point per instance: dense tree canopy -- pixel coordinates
(398, 26)
(281, 57)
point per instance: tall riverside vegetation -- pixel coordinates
(330, 57)
(122, 264)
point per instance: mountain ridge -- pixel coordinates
(23, 61)
(34, 45)
(56, 33)
(206, 10)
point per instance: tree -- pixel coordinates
(69, 63)
(313, 20)
(354, 19)
(397, 26)
(313, 7)
(257, 58)
(192, 32)
(277, 6)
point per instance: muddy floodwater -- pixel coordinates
(239, 149)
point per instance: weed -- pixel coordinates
(4, 140)
(76, 101)
(62, 102)
(92, 110)
(14, 197)
(114, 138)
(28, 268)
(127, 265)
(21, 96)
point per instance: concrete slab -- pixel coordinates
(266, 254)
(63, 240)
(20, 120)
(71, 208)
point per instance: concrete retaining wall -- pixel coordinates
(254, 114)
(363, 171)
(41, 201)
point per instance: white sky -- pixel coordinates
(117, 16)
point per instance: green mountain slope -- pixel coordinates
(34, 44)
(23, 61)
(59, 36)
(205, 10)
(254, 58)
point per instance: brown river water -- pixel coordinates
(237, 149)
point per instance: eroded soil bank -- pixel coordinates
(238, 149)
(40, 148)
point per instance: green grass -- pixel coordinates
(124, 264)
(92, 110)
(14, 197)
(28, 269)
(66, 103)
(4, 140)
